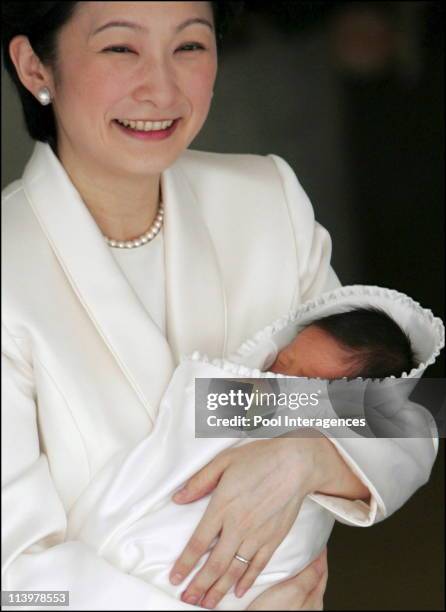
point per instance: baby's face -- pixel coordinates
(313, 353)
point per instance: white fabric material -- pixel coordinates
(80, 387)
(126, 513)
(127, 516)
(144, 270)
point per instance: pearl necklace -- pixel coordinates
(146, 237)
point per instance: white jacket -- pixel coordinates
(84, 366)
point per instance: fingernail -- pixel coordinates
(182, 494)
(190, 598)
(239, 592)
(176, 579)
(209, 603)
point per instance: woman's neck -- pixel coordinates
(124, 213)
(123, 207)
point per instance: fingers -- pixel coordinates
(236, 571)
(222, 571)
(216, 566)
(264, 553)
(198, 545)
(315, 599)
(296, 592)
(320, 563)
(308, 579)
(256, 566)
(221, 587)
(203, 482)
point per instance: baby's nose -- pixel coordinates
(275, 367)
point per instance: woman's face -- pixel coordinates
(133, 61)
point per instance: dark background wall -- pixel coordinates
(351, 95)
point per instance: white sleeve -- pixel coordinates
(35, 554)
(312, 241)
(391, 468)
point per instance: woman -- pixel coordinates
(115, 92)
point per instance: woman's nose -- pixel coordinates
(157, 84)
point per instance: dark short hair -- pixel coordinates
(377, 345)
(41, 23)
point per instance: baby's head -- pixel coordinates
(363, 342)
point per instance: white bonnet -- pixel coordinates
(425, 331)
(385, 397)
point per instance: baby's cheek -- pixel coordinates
(282, 365)
(275, 367)
(272, 368)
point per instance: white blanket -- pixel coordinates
(126, 513)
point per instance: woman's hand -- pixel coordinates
(302, 592)
(261, 486)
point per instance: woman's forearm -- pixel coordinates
(325, 470)
(337, 478)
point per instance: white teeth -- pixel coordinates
(146, 126)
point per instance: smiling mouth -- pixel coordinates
(146, 126)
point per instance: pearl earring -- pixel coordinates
(44, 96)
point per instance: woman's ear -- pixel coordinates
(30, 69)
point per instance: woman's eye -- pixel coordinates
(191, 47)
(119, 49)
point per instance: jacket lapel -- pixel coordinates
(133, 338)
(195, 301)
(196, 304)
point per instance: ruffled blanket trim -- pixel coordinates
(433, 324)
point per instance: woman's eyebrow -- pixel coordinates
(140, 28)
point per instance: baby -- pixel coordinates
(127, 514)
(363, 342)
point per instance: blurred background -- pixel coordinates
(350, 94)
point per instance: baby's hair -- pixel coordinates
(378, 346)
